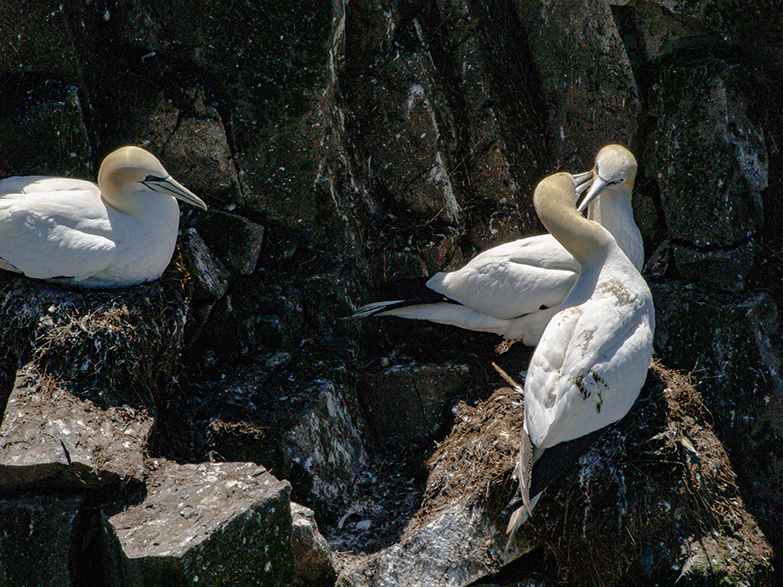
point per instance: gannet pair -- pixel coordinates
(514, 289)
(117, 233)
(593, 356)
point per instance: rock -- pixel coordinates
(42, 129)
(198, 154)
(308, 437)
(407, 404)
(51, 437)
(276, 130)
(567, 40)
(489, 170)
(728, 268)
(212, 524)
(38, 48)
(457, 548)
(404, 127)
(236, 240)
(312, 561)
(499, 156)
(753, 25)
(732, 343)
(210, 277)
(38, 536)
(324, 452)
(704, 125)
(661, 31)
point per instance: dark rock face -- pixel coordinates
(584, 67)
(37, 548)
(339, 145)
(406, 404)
(51, 437)
(715, 219)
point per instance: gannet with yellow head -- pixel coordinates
(592, 360)
(118, 233)
(514, 289)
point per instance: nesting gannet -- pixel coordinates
(117, 233)
(514, 289)
(592, 360)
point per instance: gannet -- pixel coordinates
(514, 289)
(117, 233)
(592, 360)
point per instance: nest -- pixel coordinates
(112, 347)
(652, 498)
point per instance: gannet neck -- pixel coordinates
(614, 211)
(554, 202)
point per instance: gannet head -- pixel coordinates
(132, 170)
(614, 166)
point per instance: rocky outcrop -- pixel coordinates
(626, 505)
(340, 145)
(211, 523)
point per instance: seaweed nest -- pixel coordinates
(112, 347)
(655, 497)
(476, 458)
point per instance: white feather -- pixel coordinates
(121, 233)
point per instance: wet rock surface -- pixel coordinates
(340, 145)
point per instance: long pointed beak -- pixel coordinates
(582, 181)
(169, 185)
(598, 186)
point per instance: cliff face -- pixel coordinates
(341, 145)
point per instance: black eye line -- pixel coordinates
(615, 182)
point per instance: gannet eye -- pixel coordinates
(150, 178)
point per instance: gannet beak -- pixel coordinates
(583, 181)
(598, 186)
(169, 185)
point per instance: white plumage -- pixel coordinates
(514, 289)
(117, 233)
(593, 357)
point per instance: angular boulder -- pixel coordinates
(52, 437)
(312, 558)
(211, 523)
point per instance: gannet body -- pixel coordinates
(514, 289)
(592, 360)
(118, 233)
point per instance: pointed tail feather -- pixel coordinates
(377, 308)
(519, 517)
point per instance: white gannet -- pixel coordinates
(592, 360)
(514, 289)
(117, 233)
